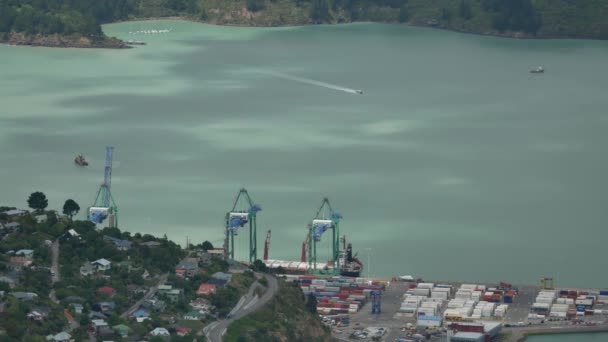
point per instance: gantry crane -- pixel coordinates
(243, 211)
(325, 219)
(104, 206)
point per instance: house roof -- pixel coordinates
(141, 313)
(222, 275)
(164, 287)
(14, 212)
(118, 242)
(62, 336)
(24, 252)
(106, 290)
(12, 225)
(24, 295)
(183, 329)
(121, 328)
(99, 322)
(150, 243)
(102, 262)
(193, 313)
(160, 331)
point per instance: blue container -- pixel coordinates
(508, 299)
(604, 292)
(563, 292)
(581, 308)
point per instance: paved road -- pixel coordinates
(54, 268)
(215, 331)
(148, 295)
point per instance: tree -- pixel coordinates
(311, 303)
(320, 11)
(465, 10)
(37, 201)
(260, 266)
(404, 14)
(207, 246)
(70, 208)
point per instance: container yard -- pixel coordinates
(415, 311)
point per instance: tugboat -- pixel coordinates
(80, 161)
(538, 70)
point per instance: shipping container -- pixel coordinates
(604, 292)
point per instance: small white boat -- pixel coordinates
(360, 92)
(538, 70)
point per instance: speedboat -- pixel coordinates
(360, 92)
(538, 70)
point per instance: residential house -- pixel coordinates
(173, 295)
(97, 315)
(40, 218)
(164, 288)
(98, 324)
(205, 289)
(26, 253)
(137, 289)
(12, 226)
(105, 334)
(193, 316)
(106, 290)
(217, 282)
(18, 263)
(61, 337)
(15, 213)
(141, 315)
(187, 268)
(182, 331)
(160, 332)
(39, 313)
(122, 330)
(201, 304)
(150, 244)
(87, 269)
(216, 251)
(156, 305)
(121, 245)
(103, 306)
(11, 282)
(77, 307)
(24, 296)
(102, 264)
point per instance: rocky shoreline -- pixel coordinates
(61, 41)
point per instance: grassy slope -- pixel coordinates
(561, 18)
(284, 318)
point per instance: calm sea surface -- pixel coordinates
(455, 163)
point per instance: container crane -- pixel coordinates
(104, 205)
(243, 212)
(266, 245)
(324, 220)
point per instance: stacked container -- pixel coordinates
(501, 310)
(559, 310)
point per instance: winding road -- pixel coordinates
(215, 331)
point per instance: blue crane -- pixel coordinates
(104, 206)
(243, 212)
(325, 219)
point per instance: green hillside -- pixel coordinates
(517, 18)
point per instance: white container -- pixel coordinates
(541, 306)
(558, 314)
(580, 313)
(425, 285)
(584, 302)
(544, 300)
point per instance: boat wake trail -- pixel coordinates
(312, 82)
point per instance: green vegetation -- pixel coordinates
(37, 201)
(284, 318)
(70, 208)
(542, 18)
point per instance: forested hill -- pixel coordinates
(529, 18)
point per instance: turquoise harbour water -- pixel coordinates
(456, 163)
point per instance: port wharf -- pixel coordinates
(416, 310)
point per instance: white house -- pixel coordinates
(27, 253)
(160, 332)
(102, 264)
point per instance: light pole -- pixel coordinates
(369, 263)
